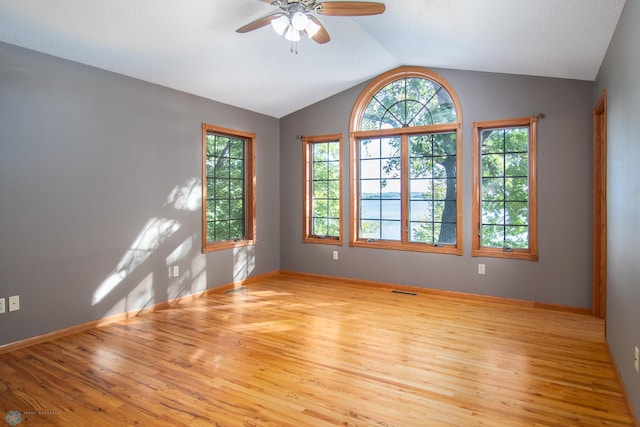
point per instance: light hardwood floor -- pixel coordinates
(300, 351)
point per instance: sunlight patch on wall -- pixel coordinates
(153, 234)
(199, 273)
(180, 252)
(187, 197)
(139, 297)
(178, 288)
(142, 295)
(244, 262)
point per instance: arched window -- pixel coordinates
(405, 145)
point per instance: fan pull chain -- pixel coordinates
(294, 47)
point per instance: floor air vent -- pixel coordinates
(404, 293)
(233, 291)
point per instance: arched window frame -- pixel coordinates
(404, 133)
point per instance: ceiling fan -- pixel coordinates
(297, 16)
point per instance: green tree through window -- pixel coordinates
(406, 142)
(228, 193)
(323, 184)
(504, 188)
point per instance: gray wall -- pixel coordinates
(100, 193)
(563, 273)
(620, 76)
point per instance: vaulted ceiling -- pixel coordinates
(192, 45)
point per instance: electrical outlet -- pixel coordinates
(481, 269)
(14, 303)
(636, 362)
(2, 307)
(175, 271)
(335, 254)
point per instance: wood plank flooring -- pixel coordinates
(299, 351)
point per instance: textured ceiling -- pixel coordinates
(192, 45)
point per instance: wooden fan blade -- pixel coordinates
(350, 8)
(322, 36)
(259, 23)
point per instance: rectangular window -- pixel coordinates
(432, 188)
(228, 191)
(380, 189)
(407, 191)
(504, 206)
(322, 189)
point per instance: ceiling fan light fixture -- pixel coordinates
(312, 28)
(280, 24)
(292, 34)
(300, 21)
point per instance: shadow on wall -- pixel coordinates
(143, 276)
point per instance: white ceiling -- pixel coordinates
(192, 45)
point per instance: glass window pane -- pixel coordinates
(516, 189)
(493, 213)
(221, 230)
(492, 165)
(320, 152)
(421, 211)
(390, 230)
(517, 140)
(211, 234)
(370, 188)
(420, 189)
(320, 227)
(222, 145)
(517, 237)
(370, 209)
(390, 147)
(333, 190)
(370, 169)
(237, 149)
(333, 227)
(422, 232)
(237, 209)
(221, 209)
(517, 213)
(391, 209)
(493, 189)
(334, 151)
(370, 149)
(492, 236)
(333, 170)
(492, 141)
(320, 190)
(516, 164)
(236, 229)
(320, 171)
(421, 167)
(237, 168)
(438, 210)
(222, 168)
(390, 188)
(320, 207)
(440, 189)
(333, 210)
(444, 144)
(370, 229)
(236, 189)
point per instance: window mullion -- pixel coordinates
(404, 180)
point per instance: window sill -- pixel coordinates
(323, 241)
(219, 246)
(523, 254)
(412, 247)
